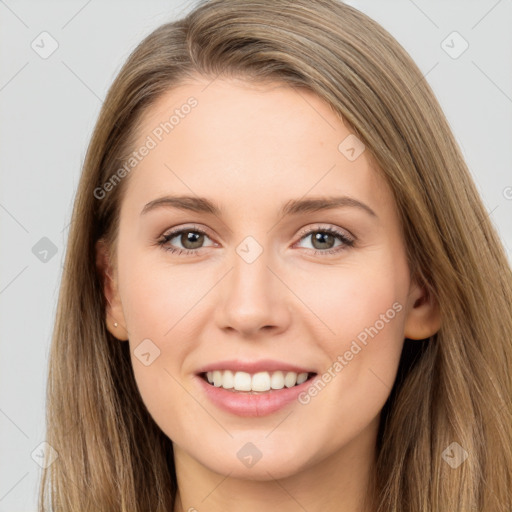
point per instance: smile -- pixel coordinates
(253, 388)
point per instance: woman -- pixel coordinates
(210, 351)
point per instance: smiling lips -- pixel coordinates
(253, 388)
(259, 376)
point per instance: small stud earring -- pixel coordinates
(115, 324)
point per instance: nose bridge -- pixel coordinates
(252, 296)
(251, 277)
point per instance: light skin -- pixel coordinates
(250, 149)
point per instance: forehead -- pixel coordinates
(227, 137)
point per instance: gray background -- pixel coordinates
(49, 107)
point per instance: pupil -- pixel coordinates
(191, 237)
(320, 237)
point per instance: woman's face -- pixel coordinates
(290, 265)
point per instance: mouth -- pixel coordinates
(255, 392)
(263, 382)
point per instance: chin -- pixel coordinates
(261, 459)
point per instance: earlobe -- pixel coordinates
(423, 316)
(114, 316)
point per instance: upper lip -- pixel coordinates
(254, 366)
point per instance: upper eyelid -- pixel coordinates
(307, 231)
(176, 231)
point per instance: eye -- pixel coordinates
(323, 240)
(191, 240)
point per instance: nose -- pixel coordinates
(252, 299)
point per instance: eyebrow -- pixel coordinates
(292, 207)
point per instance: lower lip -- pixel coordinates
(246, 404)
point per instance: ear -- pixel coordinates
(423, 314)
(114, 310)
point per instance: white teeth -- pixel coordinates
(290, 379)
(302, 377)
(228, 380)
(242, 381)
(261, 381)
(277, 380)
(217, 379)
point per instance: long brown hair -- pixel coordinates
(457, 388)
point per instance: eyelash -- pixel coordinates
(347, 242)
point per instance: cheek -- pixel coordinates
(158, 299)
(159, 344)
(353, 299)
(364, 310)
(158, 310)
